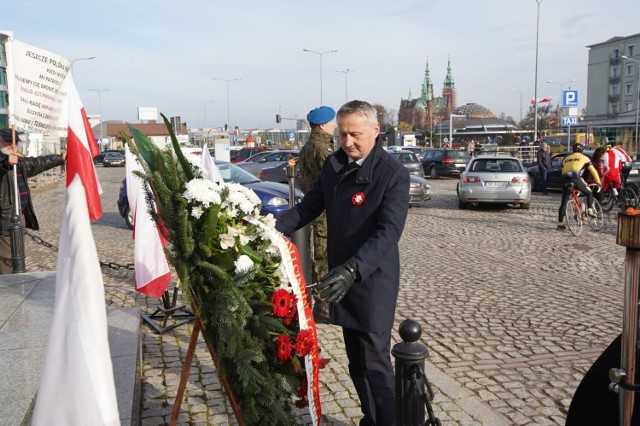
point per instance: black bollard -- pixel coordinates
(16, 233)
(410, 356)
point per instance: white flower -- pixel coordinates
(226, 241)
(197, 212)
(203, 191)
(245, 239)
(269, 220)
(243, 264)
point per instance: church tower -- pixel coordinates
(449, 89)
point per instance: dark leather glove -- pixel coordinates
(334, 286)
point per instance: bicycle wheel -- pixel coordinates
(596, 223)
(607, 200)
(630, 198)
(573, 217)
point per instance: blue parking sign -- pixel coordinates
(570, 98)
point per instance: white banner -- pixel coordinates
(37, 97)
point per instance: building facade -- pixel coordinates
(4, 89)
(427, 111)
(612, 89)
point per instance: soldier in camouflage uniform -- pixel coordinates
(312, 155)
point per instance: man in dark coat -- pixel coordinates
(27, 167)
(544, 166)
(365, 193)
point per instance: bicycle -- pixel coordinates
(576, 212)
(629, 193)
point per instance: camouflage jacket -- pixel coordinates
(312, 155)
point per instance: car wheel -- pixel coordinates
(462, 205)
(128, 217)
(433, 173)
(525, 206)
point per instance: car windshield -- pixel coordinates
(113, 154)
(496, 165)
(232, 173)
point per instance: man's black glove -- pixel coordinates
(334, 286)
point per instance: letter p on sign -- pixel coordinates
(570, 98)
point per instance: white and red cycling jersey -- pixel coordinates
(613, 162)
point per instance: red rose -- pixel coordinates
(281, 300)
(284, 348)
(293, 310)
(304, 342)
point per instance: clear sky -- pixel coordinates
(165, 54)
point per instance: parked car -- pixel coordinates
(99, 158)
(274, 196)
(113, 159)
(444, 162)
(419, 191)
(244, 153)
(410, 161)
(279, 174)
(273, 158)
(495, 179)
(554, 176)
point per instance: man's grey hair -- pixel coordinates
(359, 107)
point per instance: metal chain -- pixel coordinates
(427, 397)
(111, 265)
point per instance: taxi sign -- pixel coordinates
(569, 121)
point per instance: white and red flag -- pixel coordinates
(541, 101)
(152, 275)
(81, 148)
(77, 385)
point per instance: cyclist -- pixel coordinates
(572, 168)
(614, 160)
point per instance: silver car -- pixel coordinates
(410, 161)
(419, 191)
(272, 159)
(496, 179)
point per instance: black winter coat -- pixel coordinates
(29, 166)
(366, 233)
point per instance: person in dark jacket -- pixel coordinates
(544, 165)
(365, 193)
(27, 167)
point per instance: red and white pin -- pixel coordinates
(357, 199)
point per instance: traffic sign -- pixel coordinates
(569, 121)
(570, 98)
(292, 136)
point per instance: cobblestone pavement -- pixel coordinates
(513, 311)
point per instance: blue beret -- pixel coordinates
(321, 115)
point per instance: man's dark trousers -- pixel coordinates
(543, 179)
(372, 374)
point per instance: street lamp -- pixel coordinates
(637, 102)
(519, 91)
(561, 83)
(227, 81)
(535, 85)
(79, 59)
(100, 112)
(205, 110)
(320, 54)
(346, 93)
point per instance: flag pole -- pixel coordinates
(16, 230)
